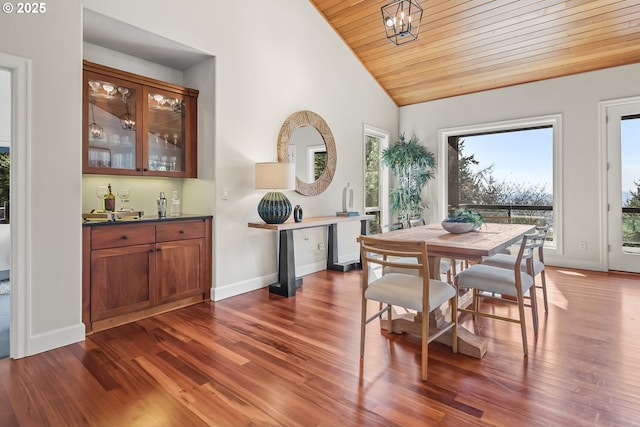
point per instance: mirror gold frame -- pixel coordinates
(309, 118)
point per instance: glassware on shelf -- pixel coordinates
(123, 194)
(95, 86)
(124, 92)
(101, 192)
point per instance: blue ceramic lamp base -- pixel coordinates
(274, 208)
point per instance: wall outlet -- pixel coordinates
(582, 245)
(225, 194)
(322, 246)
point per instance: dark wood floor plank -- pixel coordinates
(262, 360)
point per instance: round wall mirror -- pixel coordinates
(306, 140)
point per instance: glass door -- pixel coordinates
(376, 183)
(623, 155)
(165, 120)
(112, 143)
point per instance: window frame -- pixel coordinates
(383, 174)
(553, 120)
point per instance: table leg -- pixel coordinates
(468, 343)
(287, 280)
(332, 250)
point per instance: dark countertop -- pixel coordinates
(145, 219)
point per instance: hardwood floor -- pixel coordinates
(263, 360)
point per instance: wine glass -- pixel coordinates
(124, 92)
(95, 86)
(101, 192)
(123, 194)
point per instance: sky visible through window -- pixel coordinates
(526, 156)
(630, 134)
(519, 157)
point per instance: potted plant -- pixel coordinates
(463, 220)
(412, 166)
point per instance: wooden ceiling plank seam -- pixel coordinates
(535, 65)
(523, 48)
(346, 16)
(439, 30)
(515, 79)
(598, 51)
(490, 31)
(475, 45)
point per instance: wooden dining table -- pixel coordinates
(472, 246)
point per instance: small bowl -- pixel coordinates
(457, 227)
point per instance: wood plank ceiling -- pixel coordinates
(476, 45)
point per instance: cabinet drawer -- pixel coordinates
(179, 230)
(121, 235)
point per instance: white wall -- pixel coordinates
(261, 76)
(576, 99)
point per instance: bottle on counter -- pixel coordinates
(175, 204)
(109, 200)
(162, 205)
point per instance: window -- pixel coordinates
(630, 182)
(375, 182)
(507, 171)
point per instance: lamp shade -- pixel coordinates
(275, 208)
(275, 176)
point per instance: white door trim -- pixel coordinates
(603, 112)
(20, 212)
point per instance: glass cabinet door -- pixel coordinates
(165, 120)
(112, 141)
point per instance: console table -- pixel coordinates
(287, 281)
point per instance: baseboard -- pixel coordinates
(303, 270)
(574, 263)
(349, 257)
(46, 341)
(233, 289)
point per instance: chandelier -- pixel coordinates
(97, 131)
(402, 20)
(127, 121)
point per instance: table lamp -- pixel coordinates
(275, 208)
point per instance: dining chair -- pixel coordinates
(482, 278)
(449, 265)
(508, 261)
(416, 222)
(390, 227)
(414, 291)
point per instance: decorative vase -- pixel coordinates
(274, 208)
(297, 214)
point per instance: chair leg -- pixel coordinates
(424, 356)
(534, 308)
(454, 320)
(363, 325)
(523, 325)
(544, 291)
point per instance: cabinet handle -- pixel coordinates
(125, 237)
(158, 249)
(152, 250)
(137, 169)
(145, 169)
(181, 231)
